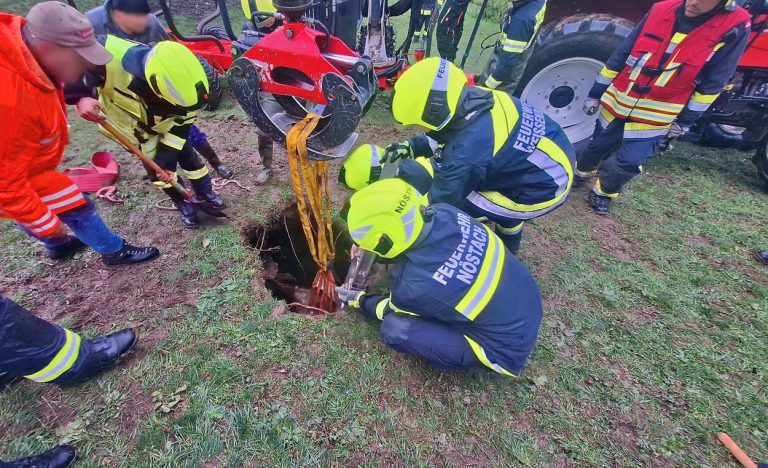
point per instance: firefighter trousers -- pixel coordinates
(34, 348)
(442, 346)
(616, 154)
(192, 166)
(450, 26)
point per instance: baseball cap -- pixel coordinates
(60, 24)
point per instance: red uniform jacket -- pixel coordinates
(33, 134)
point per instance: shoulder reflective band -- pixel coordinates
(62, 362)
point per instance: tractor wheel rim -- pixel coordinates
(560, 90)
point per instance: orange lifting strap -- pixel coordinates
(310, 184)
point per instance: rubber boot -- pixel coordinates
(61, 456)
(600, 204)
(203, 188)
(96, 356)
(206, 151)
(129, 255)
(266, 151)
(188, 212)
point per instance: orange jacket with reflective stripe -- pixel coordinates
(34, 133)
(660, 76)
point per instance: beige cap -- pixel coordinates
(60, 24)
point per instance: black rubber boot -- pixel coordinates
(188, 212)
(209, 154)
(66, 251)
(129, 255)
(203, 188)
(97, 356)
(599, 203)
(61, 456)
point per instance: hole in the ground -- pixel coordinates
(288, 265)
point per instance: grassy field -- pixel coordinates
(654, 336)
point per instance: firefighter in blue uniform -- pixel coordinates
(498, 157)
(662, 78)
(519, 29)
(44, 352)
(459, 299)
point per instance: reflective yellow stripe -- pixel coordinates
(635, 130)
(606, 76)
(717, 47)
(701, 102)
(676, 39)
(486, 281)
(639, 66)
(62, 362)
(169, 139)
(399, 310)
(198, 174)
(510, 231)
(380, 308)
(599, 190)
(480, 353)
(163, 185)
(492, 82)
(504, 116)
(512, 46)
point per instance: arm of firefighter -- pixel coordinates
(515, 40)
(378, 306)
(18, 143)
(458, 174)
(616, 62)
(716, 75)
(423, 146)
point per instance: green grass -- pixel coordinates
(653, 337)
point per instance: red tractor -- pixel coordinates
(578, 38)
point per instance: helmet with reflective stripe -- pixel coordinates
(362, 167)
(252, 6)
(176, 75)
(428, 93)
(385, 218)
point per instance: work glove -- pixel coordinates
(397, 151)
(591, 105)
(676, 130)
(351, 297)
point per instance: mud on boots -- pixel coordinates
(165, 85)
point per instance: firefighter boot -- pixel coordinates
(129, 255)
(97, 356)
(266, 151)
(206, 151)
(599, 203)
(61, 456)
(203, 188)
(188, 212)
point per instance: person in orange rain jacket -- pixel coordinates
(55, 44)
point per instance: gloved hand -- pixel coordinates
(350, 296)
(397, 151)
(591, 105)
(676, 130)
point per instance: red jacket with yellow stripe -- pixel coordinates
(33, 137)
(661, 71)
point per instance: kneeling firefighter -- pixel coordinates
(459, 299)
(499, 158)
(151, 95)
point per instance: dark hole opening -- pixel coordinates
(289, 268)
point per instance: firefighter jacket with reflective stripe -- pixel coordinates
(519, 29)
(32, 139)
(661, 72)
(496, 144)
(460, 273)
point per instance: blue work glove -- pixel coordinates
(351, 297)
(397, 151)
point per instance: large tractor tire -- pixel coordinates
(216, 91)
(568, 57)
(761, 161)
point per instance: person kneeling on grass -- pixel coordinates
(459, 298)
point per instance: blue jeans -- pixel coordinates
(86, 223)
